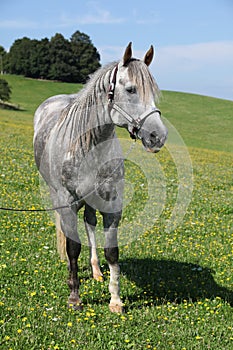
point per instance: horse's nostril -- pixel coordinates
(157, 140)
(154, 139)
(153, 136)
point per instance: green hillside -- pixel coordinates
(202, 121)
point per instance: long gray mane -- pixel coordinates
(82, 116)
(81, 120)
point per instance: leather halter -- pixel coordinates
(137, 123)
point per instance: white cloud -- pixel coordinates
(100, 17)
(191, 57)
(95, 16)
(18, 24)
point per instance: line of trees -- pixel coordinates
(55, 59)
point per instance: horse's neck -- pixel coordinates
(89, 128)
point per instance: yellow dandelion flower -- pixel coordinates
(198, 337)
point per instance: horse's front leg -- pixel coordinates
(111, 251)
(90, 224)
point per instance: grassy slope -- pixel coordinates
(202, 121)
(176, 286)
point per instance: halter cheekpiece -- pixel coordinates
(112, 84)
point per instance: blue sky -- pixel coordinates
(193, 39)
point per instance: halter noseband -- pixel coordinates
(135, 123)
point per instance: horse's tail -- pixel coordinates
(61, 239)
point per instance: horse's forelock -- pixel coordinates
(140, 76)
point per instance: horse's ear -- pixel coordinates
(127, 54)
(149, 56)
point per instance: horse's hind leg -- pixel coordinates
(73, 249)
(61, 239)
(111, 251)
(90, 224)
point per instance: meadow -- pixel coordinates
(177, 285)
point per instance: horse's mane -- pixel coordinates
(98, 82)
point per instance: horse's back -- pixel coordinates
(49, 111)
(46, 117)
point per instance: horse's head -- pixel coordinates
(132, 96)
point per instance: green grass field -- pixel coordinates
(177, 286)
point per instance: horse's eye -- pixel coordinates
(131, 89)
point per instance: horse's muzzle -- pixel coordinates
(153, 134)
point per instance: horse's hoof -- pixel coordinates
(97, 274)
(75, 306)
(78, 307)
(116, 309)
(98, 278)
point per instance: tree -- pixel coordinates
(20, 56)
(43, 58)
(5, 90)
(87, 58)
(3, 54)
(62, 64)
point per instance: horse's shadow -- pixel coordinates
(159, 281)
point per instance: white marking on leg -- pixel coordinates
(111, 254)
(114, 285)
(97, 274)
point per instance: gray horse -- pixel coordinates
(79, 156)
